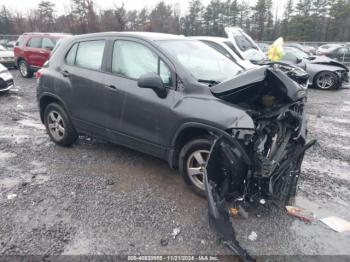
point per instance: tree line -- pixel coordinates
(297, 20)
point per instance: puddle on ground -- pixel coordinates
(333, 167)
(31, 123)
(323, 209)
(5, 156)
(335, 119)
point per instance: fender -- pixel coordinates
(215, 130)
(53, 96)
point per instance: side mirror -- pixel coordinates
(153, 81)
(17, 43)
(299, 60)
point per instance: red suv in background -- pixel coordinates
(32, 50)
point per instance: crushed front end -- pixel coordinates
(247, 166)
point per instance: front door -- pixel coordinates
(146, 119)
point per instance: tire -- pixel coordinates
(25, 69)
(191, 155)
(58, 125)
(321, 81)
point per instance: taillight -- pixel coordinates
(38, 74)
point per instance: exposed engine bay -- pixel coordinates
(247, 165)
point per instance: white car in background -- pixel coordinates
(245, 45)
(7, 57)
(6, 79)
(225, 47)
(324, 49)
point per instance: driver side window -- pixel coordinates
(132, 60)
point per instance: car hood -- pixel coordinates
(6, 54)
(293, 90)
(323, 60)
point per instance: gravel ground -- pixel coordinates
(98, 198)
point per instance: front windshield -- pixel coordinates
(298, 53)
(200, 60)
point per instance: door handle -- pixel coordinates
(65, 73)
(112, 87)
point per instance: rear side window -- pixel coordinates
(35, 42)
(48, 43)
(70, 57)
(90, 54)
(132, 59)
(20, 41)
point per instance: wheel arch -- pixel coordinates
(47, 99)
(191, 130)
(19, 59)
(185, 134)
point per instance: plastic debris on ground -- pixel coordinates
(233, 212)
(253, 236)
(176, 232)
(11, 196)
(300, 213)
(336, 223)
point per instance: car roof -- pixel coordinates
(151, 36)
(46, 34)
(211, 38)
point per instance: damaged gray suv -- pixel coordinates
(180, 100)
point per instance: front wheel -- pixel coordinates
(326, 80)
(59, 126)
(192, 163)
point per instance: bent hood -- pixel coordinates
(323, 60)
(287, 78)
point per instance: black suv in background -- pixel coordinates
(171, 97)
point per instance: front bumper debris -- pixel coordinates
(265, 165)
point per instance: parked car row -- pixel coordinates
(7, 57)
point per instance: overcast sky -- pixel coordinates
(61, 5)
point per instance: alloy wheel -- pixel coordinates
(56, 125)
(325, 80)
(196, 167)
(23, 68)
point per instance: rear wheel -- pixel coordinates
(24, 69)
(326, 80)
(192, 163)
(59, 126)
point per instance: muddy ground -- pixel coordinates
(98, 198)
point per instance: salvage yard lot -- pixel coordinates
(98, 198)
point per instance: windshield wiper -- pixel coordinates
(210, 82)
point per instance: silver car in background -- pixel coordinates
(7, 57)
(324, 72)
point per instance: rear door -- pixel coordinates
(83, 70)
(47, 45)
(32, 51)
